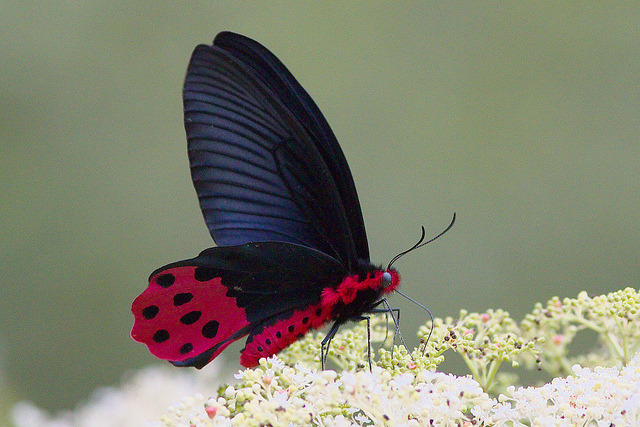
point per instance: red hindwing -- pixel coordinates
(179, 317)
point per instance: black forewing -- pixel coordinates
(277, 77)
(264, 162)
(267, 278)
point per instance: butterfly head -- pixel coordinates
(389, 281)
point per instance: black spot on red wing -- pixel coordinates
(182, 298)
(318, 312)
(150, 312)
(278, 334)
(305, 320)
(268, 341)
(204, 274)
(260, 349)
(190, 317)
(210, 329)
(291, 328)
(161, 335)
(165, 280)
(186, 348)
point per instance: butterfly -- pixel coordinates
(280, 202)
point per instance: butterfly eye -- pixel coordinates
(386, 279)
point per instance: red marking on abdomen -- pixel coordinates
(348, 297)
(272, 339)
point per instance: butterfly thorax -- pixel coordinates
(357, 293)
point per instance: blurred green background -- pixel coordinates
(521, 117)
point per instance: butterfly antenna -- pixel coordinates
(421, 242)
(430, 315)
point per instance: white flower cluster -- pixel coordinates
(143, 397)
(275, 394)
(614, 318)
(598, 397)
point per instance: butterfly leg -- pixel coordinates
(368, 338)
(326, 341)
(324, 345)
(368, 341)
(396, 321)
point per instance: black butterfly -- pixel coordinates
(279, 200)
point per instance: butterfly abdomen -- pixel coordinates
(285, 330)
(353, 296)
